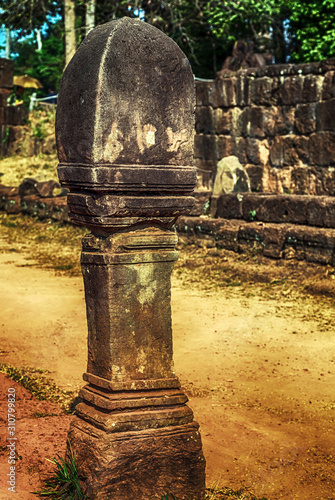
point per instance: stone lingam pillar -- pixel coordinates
(124, 128)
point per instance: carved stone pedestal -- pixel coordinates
(134, 436)
(125, 128)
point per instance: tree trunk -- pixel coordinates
(39, 40)
(7, 43)
(90, 16)
(70, 34)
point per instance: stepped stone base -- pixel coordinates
(168, 458)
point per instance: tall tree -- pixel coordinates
(70, 30)
(28, 15)
(312, 29)
(47, 64)
(259, 21)
(90, 16)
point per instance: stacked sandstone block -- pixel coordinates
(44, 200)
(277, 226)
(10, 116)
(278, 120)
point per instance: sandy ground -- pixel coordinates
(260, 375)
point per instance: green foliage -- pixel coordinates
(46, 65)
(252, 214)
(182, 20)
(63, 482)
(312, 28)
(233, 20)
(6, 135)
(206, 30)
(229, 493)
(39, 131)
(36, 382)
(26, 16)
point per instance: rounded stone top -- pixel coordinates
(127, 98)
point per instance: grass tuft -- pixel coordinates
(63, 482)
(36, 382)
(230, 494)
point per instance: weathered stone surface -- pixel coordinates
(226, 235)
(305, 118)
(6, 73)
(256, 151)
(327, 182)
(114, 462)
(295, 150)
(242, 89)
(278, 120)
(285, 240)
(42, 205)
(8, 193)
(205, 147)
(223, 93)
(229, 206)
(253, 121)
(271, 104)
(12, 205)
(54, 208)
(44, 189)
(230, 177)
(322, 148)
(276, 152)
(202, 93)
(4, 93)
(241, 149)
(319, 247)
(225, 146)
(328, 86)
(204, 119)
(325, 115)
(280, 208)
(311, 91)
(125, 142)
(321, 211)
(250, 237)
(202, 203)
(205, 173)
(108, 129)
(15, 115)
(130, 140)
(222, 121)
(261, 91)
(273, 240)
(291, 90)
(141, 347)
(255, 173)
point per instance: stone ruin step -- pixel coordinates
(275, 232)
(307, 210)
(278, 241)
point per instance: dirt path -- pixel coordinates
(260, 374)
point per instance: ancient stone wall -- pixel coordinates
(10, 116)
(277, 226)
(278, 120)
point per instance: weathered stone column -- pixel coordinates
(125, 142)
